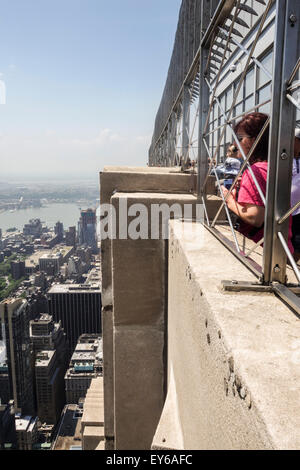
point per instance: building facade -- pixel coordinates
(87, 229)
(49, 387)
(50, 349)
(78, 307)
(85, 364)
(14, 315)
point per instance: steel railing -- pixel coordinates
(198, 118)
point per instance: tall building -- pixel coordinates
(71, 236)
(85, 364)
(8, 436)
(27, 431)
(49, 345)
(49, 387)
(17, 269)
(78, 307)
(45, 334)
(18, 355)
(4, 383)
(50, 263)
(59, 231)
(34, 228)
(87, 229)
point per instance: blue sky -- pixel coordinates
(84, 79)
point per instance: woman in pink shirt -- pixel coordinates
(248, 206)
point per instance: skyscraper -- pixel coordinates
(18, 355)
(59, 231)
(85, 364)
(71, 236)
(87, 229)
(49, 345)
(78, 307)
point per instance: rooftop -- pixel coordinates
(69, 429)
(24, 423)
(43, 358)
(72, 288)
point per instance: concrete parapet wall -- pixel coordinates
(92, 422)
(129, 180)
(133, 179)
(139, 278)
(233, 359)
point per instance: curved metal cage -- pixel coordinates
(232, 57)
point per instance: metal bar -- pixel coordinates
(205, 211)
(221, 63)
(289, 255)
(292, 100)
(262, 22)
(237, 117)
(226, 208)
(194, 124)
(281, 143)
(245, 286)
(257, 62)
(294, 86)
(202, 163)
(185, 124)
(223, 10)
(260, 242)
(295, 70)
(249, 263)
(289, 212)
(288, 296)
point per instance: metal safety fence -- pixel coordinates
(247, 61)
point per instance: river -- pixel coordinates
(67, 213)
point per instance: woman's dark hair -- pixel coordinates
(252, 124)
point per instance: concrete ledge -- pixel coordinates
(234, 358)
(139, 381)
(108, 372)
(127, 179)
(92, 436)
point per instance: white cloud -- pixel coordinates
(50, 153)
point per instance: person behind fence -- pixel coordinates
(295, 196)
(248, 205)
(231, 165)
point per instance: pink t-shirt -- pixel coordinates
(248, 194)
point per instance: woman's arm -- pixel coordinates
(249, 213)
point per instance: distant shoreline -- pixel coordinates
(50, 213)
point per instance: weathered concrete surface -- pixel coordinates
(92, 422)
(133, 179)
(139, 385)
(139, 266)
(213, 204)
(139, 276)
(92, 436)
(108, 375)
(137, 305)
(233, 359)
(126, 179)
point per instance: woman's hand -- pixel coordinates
(249, 213)
(231, 198)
